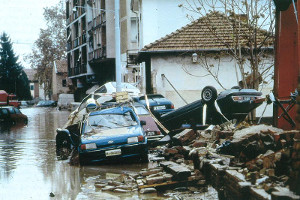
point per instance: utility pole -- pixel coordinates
(118, 45)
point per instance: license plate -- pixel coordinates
(159, 107)
(114, 152)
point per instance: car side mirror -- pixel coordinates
(143, 123)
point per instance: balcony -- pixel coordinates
(99, 21)
(97, 54)
(77, 70)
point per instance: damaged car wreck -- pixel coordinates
(213, 109)
(104, 135)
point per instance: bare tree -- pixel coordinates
(50, 46)
(250, 41)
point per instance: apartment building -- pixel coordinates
(91, 38)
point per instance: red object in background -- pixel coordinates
(287, 60)
(8, 99)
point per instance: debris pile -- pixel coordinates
(246, 162)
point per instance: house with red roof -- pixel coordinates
(180, 64)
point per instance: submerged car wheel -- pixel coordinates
(63, 148)
(209, 94)
(144, 158)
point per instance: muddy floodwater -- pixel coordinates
(29, 168)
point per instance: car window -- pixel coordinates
(102, 89)
(11, 111)
(83, 103)
(17, 111)
(5, 111)
(140, 110)
(97, 123)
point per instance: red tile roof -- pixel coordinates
(214, 31)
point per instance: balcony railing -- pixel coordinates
(78, 69)
(99, 53)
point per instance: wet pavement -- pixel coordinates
(29, 168)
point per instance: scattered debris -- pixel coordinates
(245, 162)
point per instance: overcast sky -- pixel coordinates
(22, 20)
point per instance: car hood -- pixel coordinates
(112, 136)
(150, 123)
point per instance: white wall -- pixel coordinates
(190, 78)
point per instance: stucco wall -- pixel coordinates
(189, 78)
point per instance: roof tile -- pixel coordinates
(213, 31)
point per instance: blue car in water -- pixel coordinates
(108, 134)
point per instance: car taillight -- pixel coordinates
(172, 106)
(158, 132)
(83, 147)
(140, 138)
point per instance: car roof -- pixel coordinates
(7, 107)
(116, 110)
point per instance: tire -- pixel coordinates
(144, 158)
(63, 147)
(209, 94)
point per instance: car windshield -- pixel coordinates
(140, 110)
(97, 123)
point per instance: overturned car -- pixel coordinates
(102, 135)
(213, 108)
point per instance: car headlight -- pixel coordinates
(88, 146)
(140, 138)
(132, 139)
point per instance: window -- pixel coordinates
(64, 83)
(31, 87)
(134, 29)
(101, 90)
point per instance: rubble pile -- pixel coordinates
(259, 162)
(247, 162)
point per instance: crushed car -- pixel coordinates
(108, 134)
(213, 108)
(152, 131)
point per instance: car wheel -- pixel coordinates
(63, 148)
(144, 158)
(209, 94)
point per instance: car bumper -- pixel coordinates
(154, 138)
(98, 155)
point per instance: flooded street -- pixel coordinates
(29, 168)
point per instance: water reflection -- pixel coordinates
(28, 165)
(29, 168)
